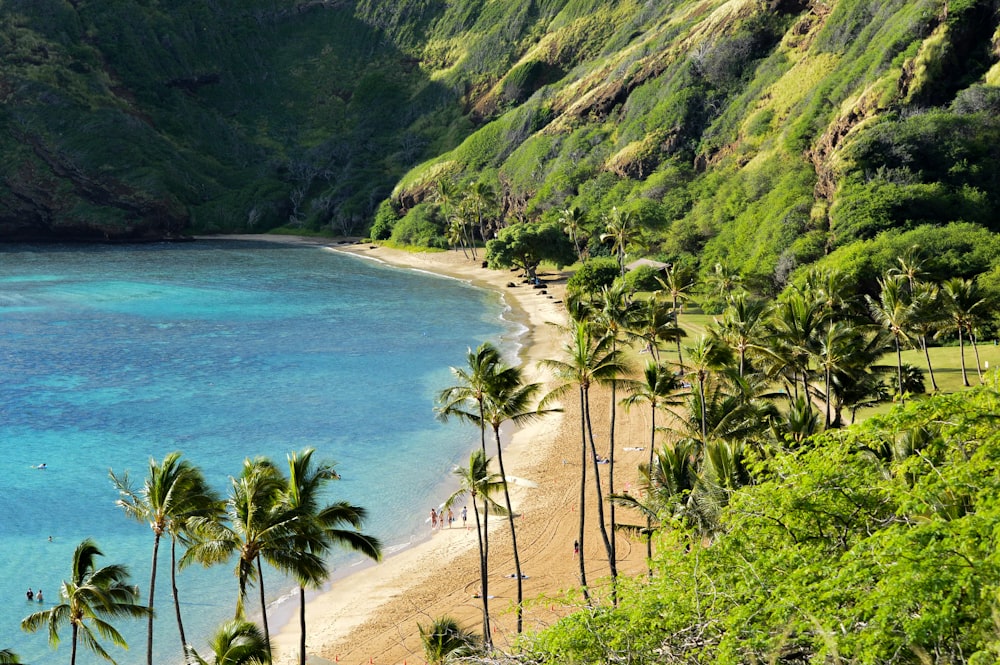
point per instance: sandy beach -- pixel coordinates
(372, 615)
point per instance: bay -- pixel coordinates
(223, 350)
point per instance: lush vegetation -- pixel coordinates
(774, 531)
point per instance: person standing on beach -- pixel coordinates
(434, 518)
(451, 518)
(464, 514)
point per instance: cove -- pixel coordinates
(223, 350)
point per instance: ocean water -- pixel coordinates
(222, 350)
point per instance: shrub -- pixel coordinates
(593, 276)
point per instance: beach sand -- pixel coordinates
(372, 615)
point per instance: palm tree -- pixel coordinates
(320, 527)
(836, 346)
(237, 642)
(508, 398)
(586, 361)
(89, 599)
(173, 490)
(659, 388)
(260, 527)
(678, 281)
(705, 357)
(724, 281)
(962, 302)
(911, 267)
(8, 657)
(892, 311)
(926, 317)
(480, 198)
(572, 220)
(654, 323)
(794, 326)
(742, 326)
(615, 318)
(471, 387)
(445, 639)
(478, 482)
(618, 231)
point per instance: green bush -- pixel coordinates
(593, 275)
(420, 227)
(385, 219)
(642, 278)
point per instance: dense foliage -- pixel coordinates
(875, 544)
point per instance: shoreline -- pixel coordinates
(371, 615)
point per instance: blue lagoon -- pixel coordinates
(222, 350)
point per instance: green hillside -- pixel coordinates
(760, 134)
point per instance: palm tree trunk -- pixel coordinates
(72, 654)
(612, 565)
(612, 552)
(961, 347)
(513, 533)
(649, 518)
(704, 416)
(677, 322)
(482, 427)
(263, 608)
(173, 586)
(899, 372)
(483, 577)
(302, 625)
(927, 357)
(584, 399)
(975, 349)
(152, 592)
(828, 397)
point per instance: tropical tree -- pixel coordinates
(893, 312)
(319, 528)
(742, 326)
(619, 226)
(479, 199)
(667, 485)
(527, 244)
(794, 327)
(704, 357)
(654, 323)
(926, 316)
(615, 317)
(88, 601)
(8, 657)
(679, 281)
(587, 360)
(835, 346)
(660, 387)
(466, 398)
(237, 642)
(963, 304)
(572, 220)
(509, 399)
(258, 526)
(444, 638)
(173, 490)
(480, 484)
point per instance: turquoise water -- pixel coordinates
(222, 350)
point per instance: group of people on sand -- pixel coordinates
(439, 519)
(31, 595)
